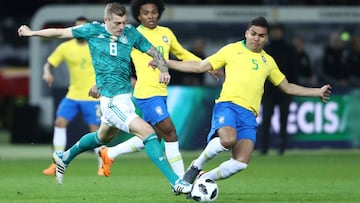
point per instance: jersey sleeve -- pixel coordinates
(141, 43)
(275, 76)
(179, 51)
(218, 59)
(57, 56)
(82, 31)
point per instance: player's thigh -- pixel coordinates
(118, 111)
(140, 128)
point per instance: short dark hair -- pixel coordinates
(82, 18)
(136, 4)
(261, 22)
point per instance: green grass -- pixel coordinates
(298, 176)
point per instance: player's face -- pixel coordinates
(256, 38)
(115, 25)
(149, 15)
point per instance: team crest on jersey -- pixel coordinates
(165, 39)
(263, 58)
(221, 119)
(159, 110)
(123, 39)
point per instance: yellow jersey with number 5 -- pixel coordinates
(245, 74)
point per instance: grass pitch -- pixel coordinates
(298, 176)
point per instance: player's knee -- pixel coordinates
(61, 122)
(170, 137)
(106, 139)
(228, 141)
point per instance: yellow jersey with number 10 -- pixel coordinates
(164, 40)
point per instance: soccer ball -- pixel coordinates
(204, 190)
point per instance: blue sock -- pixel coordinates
(156, 155)
(86, 142)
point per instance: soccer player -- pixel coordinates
(233, 125)
(110, 45)
(150, 95)
(75, 53)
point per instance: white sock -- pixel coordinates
(59, 139)
(133, 144)
(225, 170)
(174, 157)
(213, 148)
(96, 151)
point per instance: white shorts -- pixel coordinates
(118, 111)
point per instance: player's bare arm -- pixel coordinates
(47, 76)
(25, 31)
(298, 90)
(190, 66)
(160, 63)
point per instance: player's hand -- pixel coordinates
(94, 92)
(152, 64)
(325, 92)
(165, 78)
(48, 78)
(24, 31)
(216, 74)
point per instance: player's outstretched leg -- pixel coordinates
(156, 155)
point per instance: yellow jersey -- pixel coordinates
(81, 72)
(164, 40)
(245, 74)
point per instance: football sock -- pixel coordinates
(59, 139)
(96, 151)
(156, 155)
(133, 144)
(174, 157)
(86, 142)
(225, 170)
(213, 148)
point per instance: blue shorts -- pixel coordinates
(90, 110)
(154, 109)
(230, 114)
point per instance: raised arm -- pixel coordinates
(25, 31)
(297, 90)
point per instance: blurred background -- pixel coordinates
(326, 32)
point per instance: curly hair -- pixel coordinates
(136, 4)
